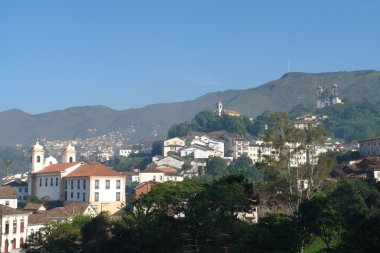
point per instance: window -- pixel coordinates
(161, 178)
(7, 227)
(7, 202)
(20, 190)
(78, 186)
(56, 181)
(117, 196)
(117, 184)
(46, 181)
(24, 198)
(19, 197)
(22, 224)
(72, 184)
(96, 184)
(107, 184)
(14, 226)
(78, 195)
(40, 182)
(38, 159)
(26, 189)
(84, 197)
(154, 178)
(96, 196)
(21, 241)
(72, 195)
(51, 181)
(71, 159)
(65, 184)
(84, 184)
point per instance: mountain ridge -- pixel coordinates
(152, 121)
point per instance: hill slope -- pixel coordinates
(279, 95)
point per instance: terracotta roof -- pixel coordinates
(55, 214)
(231, 112)
(77, 207)
(371, 139)
(6, 210)
(7, 192)
(58, 213)
(59, 167)
(151, 169)
(167, 170)
(33, 206)
(94, 169)
(145, 183)
(16, 183)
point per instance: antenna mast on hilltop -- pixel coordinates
(288, 66)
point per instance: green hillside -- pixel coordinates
(153, 121)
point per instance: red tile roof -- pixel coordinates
(167, 169)
(6, 210)
(33, 206)
(94, 169)
(59, 167)
(7, 192)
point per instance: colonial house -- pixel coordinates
(173, 145)
(370, 147)
(65, 213)
(144, 188)
(97, 184)
(8, 196)
(73, 181)
(13, 226)
(159, 175)
(366, 168)
(196, 152)
(173, 161)
(22, 189)
(206, 141)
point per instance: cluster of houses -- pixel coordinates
(76, 187)
(90, 188)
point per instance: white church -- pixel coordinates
(72, 181)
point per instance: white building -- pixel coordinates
(13, 226)
(97, 184)
(8, 196)
(370, 147)
(206, 141)
(195, 152)
(159, 175)
(125, 152)
(22, 189)
(173, 145)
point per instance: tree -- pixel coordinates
(243, 165)
(7, 163)
(216, 166)
(54, 237)
(157, 148)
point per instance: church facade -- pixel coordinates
(326, 97)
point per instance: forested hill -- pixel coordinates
(351, 121)
(153, 121)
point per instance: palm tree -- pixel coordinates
(7, 163)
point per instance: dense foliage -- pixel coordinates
(13, 161)
(351, 121)
(207, 121)
(194, 215)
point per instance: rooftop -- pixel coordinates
(95, 170)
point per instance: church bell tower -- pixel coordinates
(37, 157)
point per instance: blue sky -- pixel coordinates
(127, 54)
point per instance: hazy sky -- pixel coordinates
(123, 54)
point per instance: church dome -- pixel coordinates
(37, 146)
